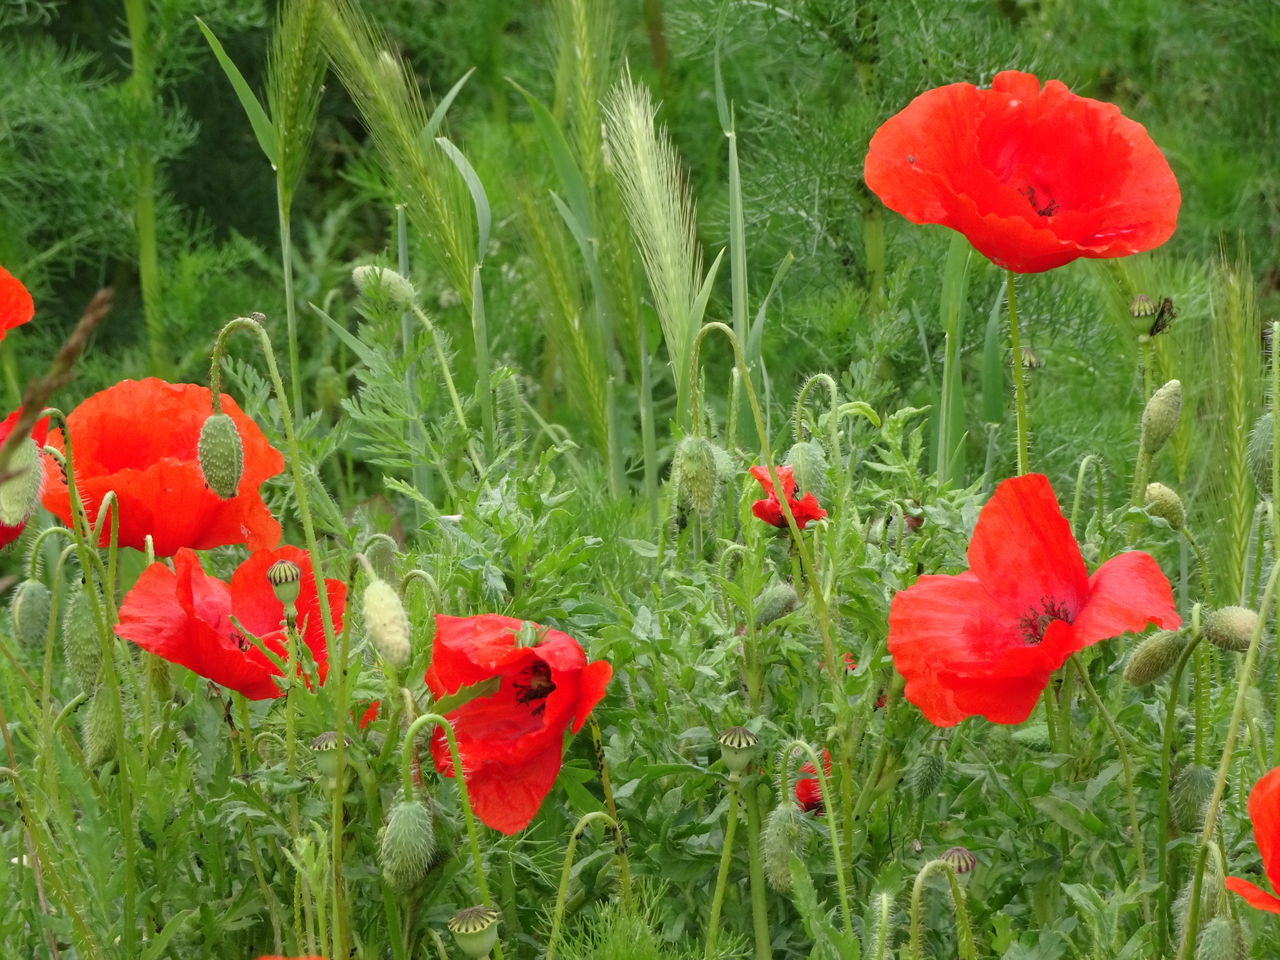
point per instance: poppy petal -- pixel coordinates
(1254, 895)
(591, 686)
(1126, 593)
(1264, 811)
(506, 797)
(16, 305)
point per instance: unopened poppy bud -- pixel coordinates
(1167, 505)
(960, 859)
(387, 623)
(693, 471)
(925, 776)
(325, 750)
(475, 930)
(1221, 939)
(781, 840)
(775, 603)
(407, 843)
(80, 645)
(21, 489)
(1142, 306)
(737, 747)
(371, 279)
(29, 609)
(1190, 792)
(285, 578)
(808, 463)
(1258, 454)
(1154, 657)
(221, 455)
(1230, 628)
(98, 725)
(1160, 417)
(1032, 735)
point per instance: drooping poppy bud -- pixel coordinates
(30, 609)
(925, 775)
(776, 602)
(1160, 417)
(693, 472)
(80, 644)
(1154, 657)
(20, 491)
(373, 279)
(387, 623)
(1191, 790)
(407, 843)
(475, 930)
(808, 462)
(1162, 502)
(780, 841)
(98, 725)
(1221, 939)
(221, 455)
(1230, 628)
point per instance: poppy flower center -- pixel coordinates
(1035, 622)
(1046, 209)
(533, 685)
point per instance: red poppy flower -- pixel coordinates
(184, 616)
(16, 305)
(139, 439)
(511, 742)
(809, 789)
(18, 494)
(985, 642)
(770, 509)
(1264, 811)
(1033, 178)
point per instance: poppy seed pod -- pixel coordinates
(693, 471)
(369, 280)
(737, 747)
(776, 602)
(475, 930)
(20, 491)
(960, 859)
(1142, 306)
(285, 578)
(80, 645)
(1167, 505)
(1191, 790)
(407, 843)
(387, 623)
(325, 748)
(30, 609)
(808, 463)
(1230, 628)
(1221, 939)
(780, 841)
(1153, 657)
(221, 455)
(1160, 417)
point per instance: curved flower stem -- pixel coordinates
(1089, 460)
(1019, 383)
(557, 916)
(1206, 579)
(1244, 680)
(464, 798)
(33, 558)
(726, 855)
(789, 751)
(1125, 763)
(620, 835)
(880, 943)
(964, 935)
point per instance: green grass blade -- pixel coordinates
(263, 129)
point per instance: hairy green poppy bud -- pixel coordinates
(80, 645)
(20, 491)
(1153, 657)
(1230, 628)
(98, 725)
(781, 839)
(475, 930)
(1032, 735)
(1212, 902)
(925, 776)
(960, 859)
(808, 463)
(370, 280)
(29, 609)
(285, 578)
(221, 455)
(407, 843)
(387, 623)
(1160, 417)
(1221, 939)
(737, 747)
(693, 471)
(1167, 505)
(775, 603)
(1190, 792)
(1258, 454)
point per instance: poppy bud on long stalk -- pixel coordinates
(407, 843)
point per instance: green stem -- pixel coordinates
(755, 867)
(557, 916)
(837, 861)
(606, 787)
(964, 935)
(290, 312)
(1089, 459)
(484, 377)
(1019, 382)
(1166, 778)
(722, 877)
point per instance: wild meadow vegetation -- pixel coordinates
(540, 481)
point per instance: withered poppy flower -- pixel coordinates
(1264, 811)
(1034, 178)
(809, 789)
(16, 305)
(984, 642)
(20, 493)
(185, 616)
(138, 438)
(770, 509)
(511, 743)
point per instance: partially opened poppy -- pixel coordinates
(985, 641)
(512, 742)
(770, 508)
(16, 305)
(809, 789)
(1264, 811)
(139, 438)
(1034, 178)
(185, 616)
(20, 492)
